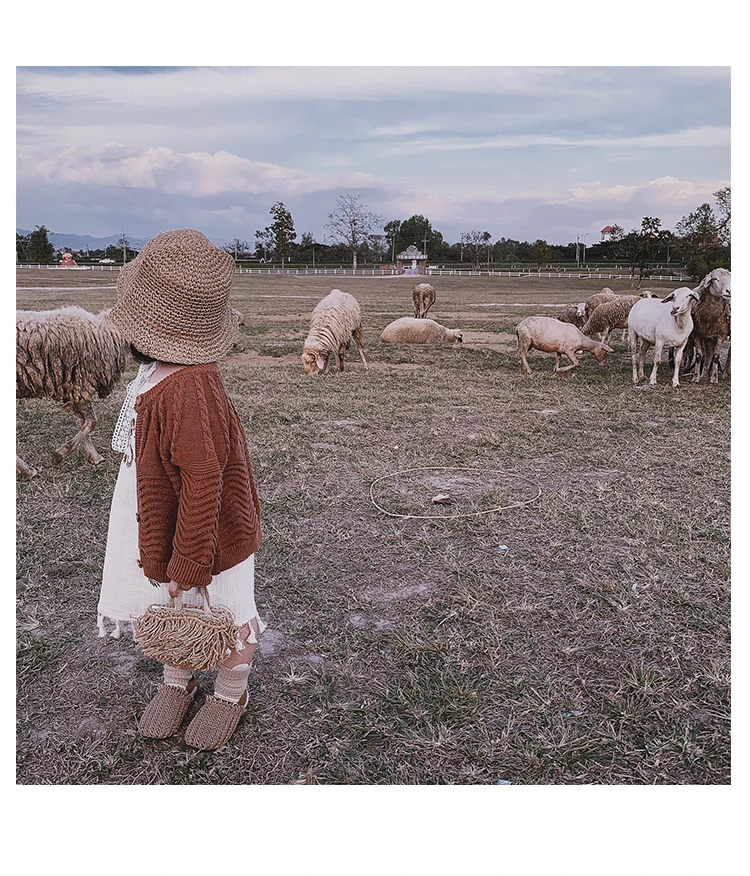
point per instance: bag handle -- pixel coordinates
(177, 600)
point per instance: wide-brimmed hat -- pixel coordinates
(173, 299)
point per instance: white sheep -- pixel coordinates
(423, 297)
(336, 319)
(574, 314)
(70, 356)
(711, 320)
(410, 330)
(661, 323)
(595, 300)
(611, 315)
(553, 336)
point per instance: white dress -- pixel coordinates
(126, 592)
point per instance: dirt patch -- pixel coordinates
(398, 366)
(490, 339)
(67, 288)
(252, 357)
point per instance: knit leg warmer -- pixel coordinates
(176, 677)
(232, 683)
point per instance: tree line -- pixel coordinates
(701, 241)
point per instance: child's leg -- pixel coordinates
(231, 681)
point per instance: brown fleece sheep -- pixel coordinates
(70, 356)
(423, 297)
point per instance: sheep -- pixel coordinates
(552, 336)
(574, 314)
(652, 321)
(598, 298)
(423, 297)
(410, 330)
(336, 319)
(711, 316)
(68, 355)
(611, 315)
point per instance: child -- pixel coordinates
(185, 511)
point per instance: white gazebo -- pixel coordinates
(412, 258)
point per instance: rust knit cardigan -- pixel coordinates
(198, 509)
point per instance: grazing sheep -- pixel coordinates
(68, 355)
(336, 319)
(653, 322)
(711, 318)
(552, 336)
(423, 297)
(575, 314)
(611, 315)
(595, 300)
(410, 330)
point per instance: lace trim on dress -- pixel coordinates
(121, 437)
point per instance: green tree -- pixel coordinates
(351, 224)
(724, 224)
(641, 247)
(39, 250)
(700, 240)
(22, 246)
(264, 244)
(392, 229)
(540, 252)
(282, 230)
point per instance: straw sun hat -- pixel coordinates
(173, 299)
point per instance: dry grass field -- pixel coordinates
(582, 638)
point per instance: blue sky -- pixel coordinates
(522, 152)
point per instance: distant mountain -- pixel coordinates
(86, 241)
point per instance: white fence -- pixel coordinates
(390, 272)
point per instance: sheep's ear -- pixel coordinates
(608, 349)
(695, 294)
(321, 362)
(669, 297)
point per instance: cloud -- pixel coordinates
(194, 174)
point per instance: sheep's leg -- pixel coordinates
(23, 470)
(642, 351)
(573, 361)
(523, 349)
(342, 351)
(86, 418)
(714, 361)
(357, 334)
(677, 361)
(658, 348)
(700, 360)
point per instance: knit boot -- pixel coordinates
(219, 716)
(164, 714)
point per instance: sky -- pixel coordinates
(524, 152)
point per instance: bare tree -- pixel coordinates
(351, 223)
(475, 243)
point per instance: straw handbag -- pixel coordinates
(189, 637)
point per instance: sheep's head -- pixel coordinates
(683, 299)
(454, 335)
(600, 354)
(718, 283)
(313, 363)
(646, 293)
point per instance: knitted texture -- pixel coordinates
(197, 502)
(164, 714)
(232, 683)
(177, 677)
(213, 724)
(173, 299)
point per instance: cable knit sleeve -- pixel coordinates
(199, 449)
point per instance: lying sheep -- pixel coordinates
(661, 323)
(410, 330)
(336, 319)
(423, 297)
(575, 314)
(597, 299)
(552, 336)
(68, 355)
(611, 315)
(711, 319)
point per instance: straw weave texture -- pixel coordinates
(173, 299)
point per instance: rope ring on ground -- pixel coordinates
(454, 516)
